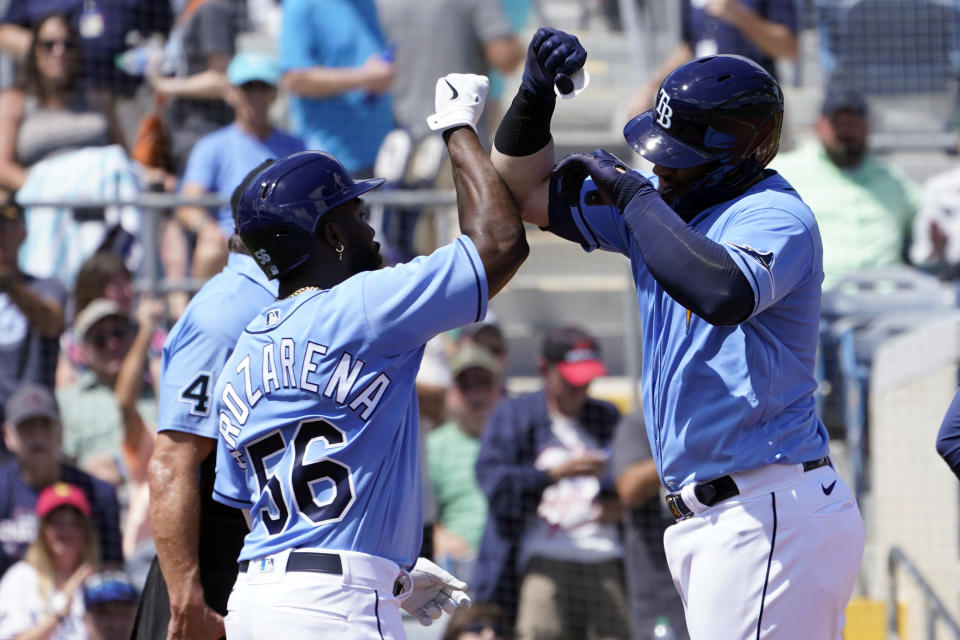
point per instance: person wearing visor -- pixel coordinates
(551, 554)
(728, 264)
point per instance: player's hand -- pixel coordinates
(433, 591)
(552, 56)
(195, 621)
(616, 183)
(459, 100)
(591, 463)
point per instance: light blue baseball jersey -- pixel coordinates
(317, 407)
(719, 400)
(201, 341)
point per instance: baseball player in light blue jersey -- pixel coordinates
(198, 540)
(727, 263)
(317, 406)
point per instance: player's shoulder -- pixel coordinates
(285, 315)
(225, 304)
(774, 193)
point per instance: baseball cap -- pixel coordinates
(61, 494)
(471, 356)
(31, 401)
(108, 586)
(93, 313)
(576, 355)
(838, 99)
(250, 66)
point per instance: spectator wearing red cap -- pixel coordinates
(33, 432)
(40, 596)
(551, 554)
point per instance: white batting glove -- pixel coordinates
(459, 100)
(433, 591)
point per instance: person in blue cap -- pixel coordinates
(110, 602)
(220, 160)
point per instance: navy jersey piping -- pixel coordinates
(476, 276)
(773, 544)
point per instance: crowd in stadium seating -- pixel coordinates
(111, 100)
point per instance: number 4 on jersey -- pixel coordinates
(197, 395)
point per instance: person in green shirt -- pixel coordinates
(864, 207)
(452, 452)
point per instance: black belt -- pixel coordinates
(723, 488)
(315, 561)
(306, 561)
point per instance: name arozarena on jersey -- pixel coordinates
(339, 386)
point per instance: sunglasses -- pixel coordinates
(48, 45)
(99, 339)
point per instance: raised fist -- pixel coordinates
(552, 57)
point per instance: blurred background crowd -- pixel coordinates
(125, 125)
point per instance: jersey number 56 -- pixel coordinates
(302, 476)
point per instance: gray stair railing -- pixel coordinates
(932, 605)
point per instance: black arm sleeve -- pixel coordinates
(694, 270)
(948, 440)
(525, 127)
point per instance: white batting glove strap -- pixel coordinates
(433, 592)
(459, 100)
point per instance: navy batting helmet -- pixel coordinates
(721, 109)
(278, 211)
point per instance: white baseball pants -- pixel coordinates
(777, 562)
(268, 602)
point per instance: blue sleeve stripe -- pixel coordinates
(560, 219)
(231, 502)
(476, 275)
(594, 241)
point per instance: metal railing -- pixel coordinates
(933, 607)
(153, 205)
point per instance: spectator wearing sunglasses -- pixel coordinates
(47, 113)
(93, 425)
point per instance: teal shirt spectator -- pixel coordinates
(221, 160)
(864, 214)
(451, 457)
(336, 33)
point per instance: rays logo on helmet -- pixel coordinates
(664, 112)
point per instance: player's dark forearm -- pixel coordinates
(488, 213)
(694, 270)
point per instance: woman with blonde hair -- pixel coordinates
(40, 596)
